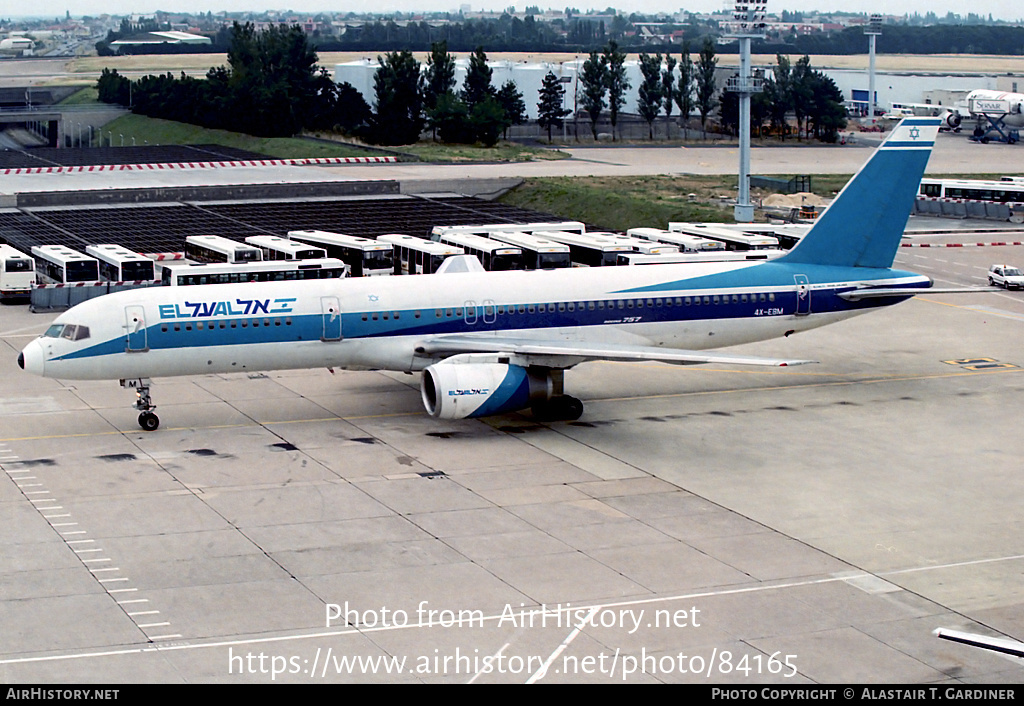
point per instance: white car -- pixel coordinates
(1006, 276)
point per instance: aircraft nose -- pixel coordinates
(31, 358)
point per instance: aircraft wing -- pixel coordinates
(566, 353)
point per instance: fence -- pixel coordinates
(58, 297)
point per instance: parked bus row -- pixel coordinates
(320, 254)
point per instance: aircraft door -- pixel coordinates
(135, 327)
(331, 311)
(470, 313)
(803, 295)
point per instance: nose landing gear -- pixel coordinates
(147, 419)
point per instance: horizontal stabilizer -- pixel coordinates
(1002, 645)
(857, 294)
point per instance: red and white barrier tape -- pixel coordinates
(200, 165)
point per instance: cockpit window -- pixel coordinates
(71, 332)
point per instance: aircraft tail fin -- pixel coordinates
(863, 225)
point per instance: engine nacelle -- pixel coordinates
(461, 390)
(951, 118)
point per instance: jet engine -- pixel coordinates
(952, 119)
(460, 390)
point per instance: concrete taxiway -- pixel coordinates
(697, 524)
(707, 524)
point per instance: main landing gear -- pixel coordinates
(563, 408)
(147, 419)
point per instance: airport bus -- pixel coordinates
(119, 264)
(277, 248)
(417, 256)
(1009, 191)
(56, 264)
(731, 239)
(640, 245)
(589, 249)
(493, 254)
(216, 248)
(539, 253)
(490, 229)
(17, 272)
(639, 258)
(182, 273)
(365, 257)
(685, 243)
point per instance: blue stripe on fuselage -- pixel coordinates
(761, 291)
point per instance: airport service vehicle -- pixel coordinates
(216, 248)
(416, 256)
(494, 255)
(1003, 191)
(181, 273)
(539, 253)
(683, 241)
(56, 264)
(365, 257)
(588, 249)
(119, 264)
(17, 273)
(277, 248)
(490, 343)
(1006, 276)
(733, 240)
(997, 115)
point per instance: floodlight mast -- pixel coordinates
(873, 29)
(749, 20)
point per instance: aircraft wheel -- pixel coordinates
(561, 408)
(149, 421)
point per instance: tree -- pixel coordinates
(488, 120)
(511, 101)
(595, 86)
(272, 80)
(668, 90)
(477, 84)
(827, 112)
(550, 112)
(705, 82)
(778, 92)
(439, 77)
(649, 99)
(684, 91)
(618, 84)
(398, 118)
(801, 92)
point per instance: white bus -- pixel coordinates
(216, 248)
(731, 239)
(365, 257)
(493, 254)
(1008, 190)
(56, 264)
(637, 258)
(17, 272)
(416, 256)
(181, 273)
(539, 253)
(685, 243)
(119, 264)
(277, 248)
(589, 249)
(635, 244)
(489, 230)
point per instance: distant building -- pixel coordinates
(171, 37)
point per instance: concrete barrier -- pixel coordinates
(59, 297)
